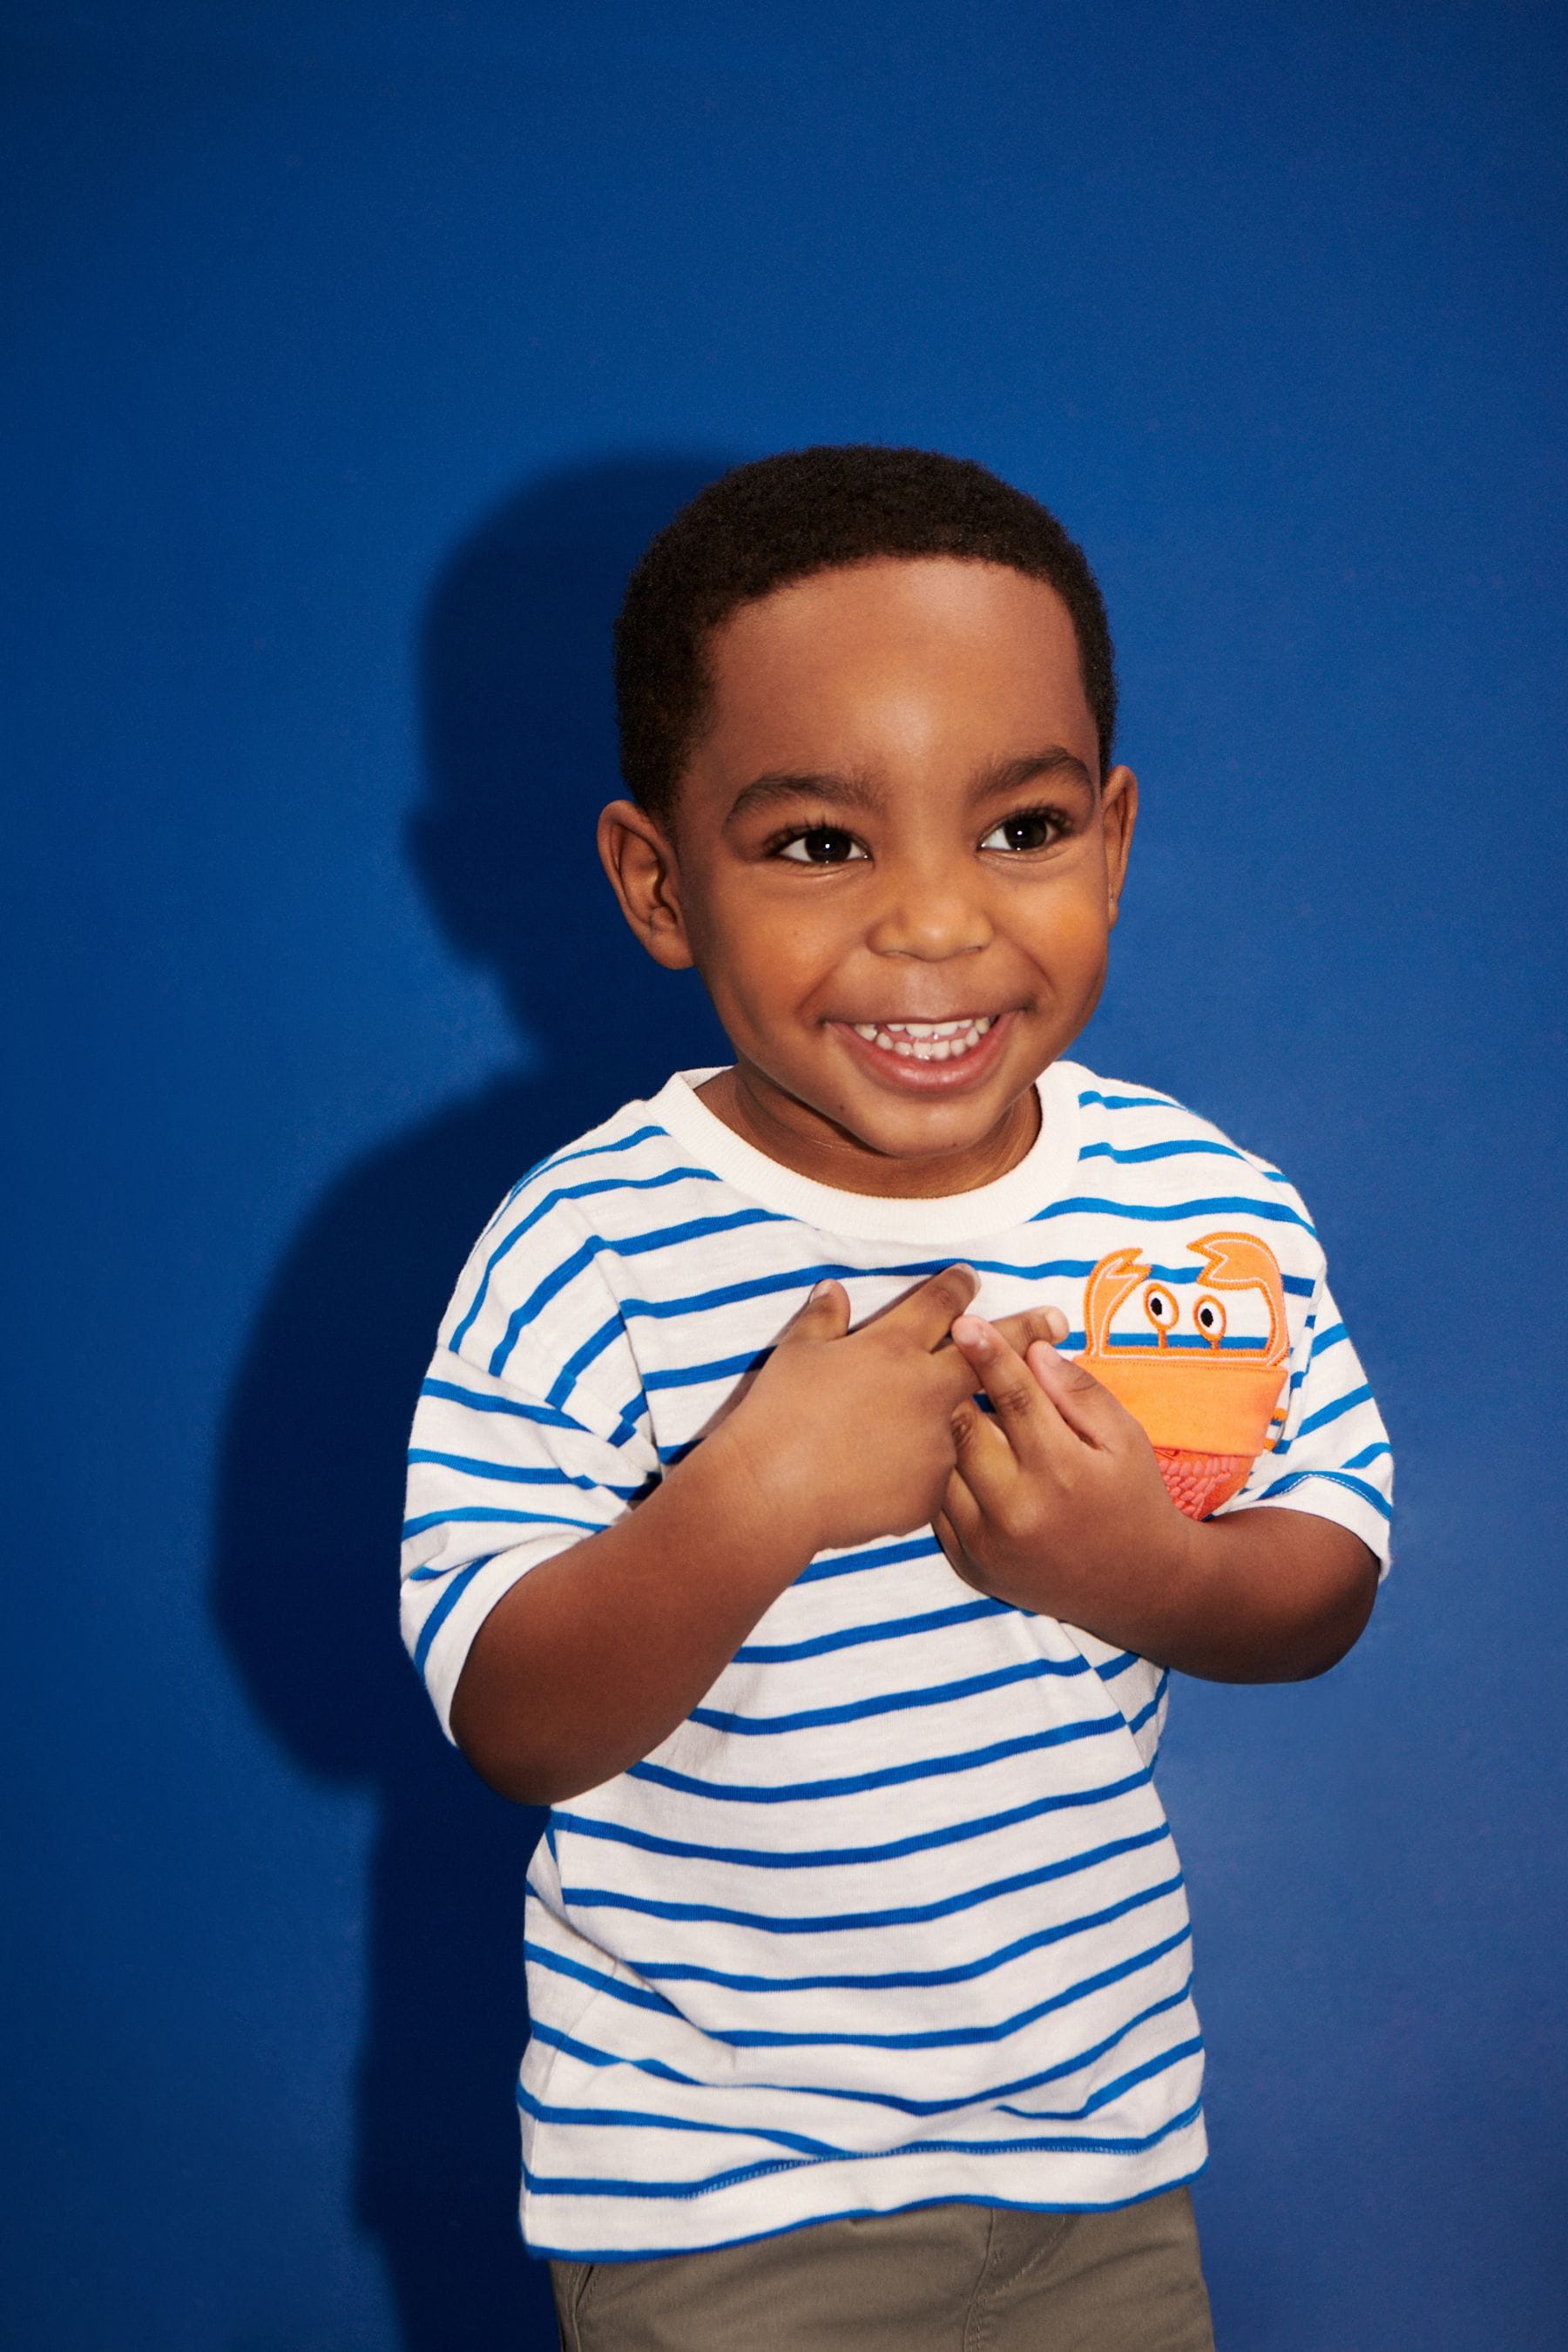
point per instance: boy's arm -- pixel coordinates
(590, 1660)
(1056, 1504)
(594, 1656)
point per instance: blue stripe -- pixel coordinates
(830, 1923)
(521, 1411)
(641, 2119)
(878, 1556)
(1135, 1722)
(576, 1364)
(636, 2119)
(1141, 1152)
(632, 1413)
(891, 1776)
(1279, 1213)
(1129, 1102)
(1327, 1413)
(753, 1726)
(575, 2185)
(799, 1277)
(1108, 2092)
(852, 1857)
(702, 1302)
(693, 1376)
(588, 2056)
(1327, 1339)
(628, 1246)
(907, 1979)
(553, 1201)
(431, 1574)
(554, 1160)
(957, 2037)
(1118, 1665)
(802, 1278)
(505, 1472)
(1357, 1487)
(886, 1629)
(1193, 1340)
(499, 1518)
(443, 1610)
(1368, 1453)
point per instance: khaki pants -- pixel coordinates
(941, 2278)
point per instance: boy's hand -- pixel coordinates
(850, 1435)
(1056, 1503)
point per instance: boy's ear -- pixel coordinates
(638, 856)
(1119, 814)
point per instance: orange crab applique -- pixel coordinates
(1209, 1409)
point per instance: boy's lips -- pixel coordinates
(927, 1057)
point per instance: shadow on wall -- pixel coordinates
(519, 751)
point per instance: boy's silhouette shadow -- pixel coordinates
(519, 751)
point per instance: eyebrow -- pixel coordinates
(1035, 766)
(852, 792)
(847, 792)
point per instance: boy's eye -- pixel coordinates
(1024, 829)
(822, 844)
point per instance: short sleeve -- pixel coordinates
(1333, 1457)
(500, 1479)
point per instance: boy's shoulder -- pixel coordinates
(1174, 1182)
(1129, 1128)
(632, 1152)
(611, 1188)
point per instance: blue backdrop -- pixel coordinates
(354, 350)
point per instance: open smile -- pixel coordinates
(928, 1056)
(927, 1040)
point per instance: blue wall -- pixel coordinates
(354, 350)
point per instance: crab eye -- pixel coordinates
(1209, 1317)
(1159, 1307)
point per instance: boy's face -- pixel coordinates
(893, 819)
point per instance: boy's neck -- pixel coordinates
(810, 1145)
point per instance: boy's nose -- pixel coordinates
(932, 916)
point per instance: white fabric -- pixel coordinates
(895, 1914)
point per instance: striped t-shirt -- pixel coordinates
(894, 1915)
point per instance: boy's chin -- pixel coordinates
(883, 1125)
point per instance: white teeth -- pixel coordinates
(926, 1041)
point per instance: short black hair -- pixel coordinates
(807, 510)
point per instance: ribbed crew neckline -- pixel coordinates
(1039, 1178)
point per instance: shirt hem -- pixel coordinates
(903, 2182)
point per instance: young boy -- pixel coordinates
(858, 1952)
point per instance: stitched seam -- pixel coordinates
(973, 2319)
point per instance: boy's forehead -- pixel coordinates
(894, 659)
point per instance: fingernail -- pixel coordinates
(971, 1330)
(819, 1290)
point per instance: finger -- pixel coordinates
(1006, 1378)
(964, 1520)
(825, 1316)
(983, 1461)
(1087, 1408)
(960, 1558)
(1021, 1331)
(946, 1534)
(926, 1313)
